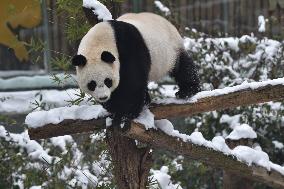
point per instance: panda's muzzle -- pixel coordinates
(103, 98)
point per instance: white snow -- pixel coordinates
(251, 156)
(278, 145)
(167, 127)
(243, 131)
(35, 187)
(33, 148)
(218, 92)
(168, 90)
(162, 8)
(32, 82)
(163, 178)
(22, 102)
(152, 85)
(219, 144)
(99, 9)
(261, 24)
(242, 153)
(232, 121)
(146, 118)
(61, 142)
(108, 122)
(57, 115)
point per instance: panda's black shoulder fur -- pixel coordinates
(131, 94)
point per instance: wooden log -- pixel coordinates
(231, 180)
(158, 139)
(131, 164)
(243, 97)
(67, 127)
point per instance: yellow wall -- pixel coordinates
(24, 13)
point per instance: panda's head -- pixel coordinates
(97, 63)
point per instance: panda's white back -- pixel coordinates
(162, 39)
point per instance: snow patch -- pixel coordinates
(218, 92)
(22, 102)
(261, 24)
(163, 178)
(57, 115)
(232, 121)
(39, 81)
(278, 145)
(243, 131)
(146, 118)
(250, 156)
(162, 8)
(98, 8)
(242, 153)
(33, 148)
(61, 142)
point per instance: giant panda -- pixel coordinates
(116, 59)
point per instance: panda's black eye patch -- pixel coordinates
(108, 82)
(92, 85)
(79, 60)
(107, 57)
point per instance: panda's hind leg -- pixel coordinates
(186, 76)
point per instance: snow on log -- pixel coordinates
(229, 97)
(219, 99)
(66, 120)
(242, 161)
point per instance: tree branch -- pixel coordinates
(158, 139)
(67, 127)
(234, 99)
(242, 97)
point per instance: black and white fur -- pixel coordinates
(116, 59)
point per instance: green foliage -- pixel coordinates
(76, 25)
(36, 47)
(61, 63)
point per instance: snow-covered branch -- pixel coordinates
(219, 99)
(242, 161)
(42, 125)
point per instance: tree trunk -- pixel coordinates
(231, 181)
(131, 164)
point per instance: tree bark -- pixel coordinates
(131, 164)
(160, 140)
(231, 180)
(242, 97)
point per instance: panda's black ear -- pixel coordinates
(107, 57)
(79, 60)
